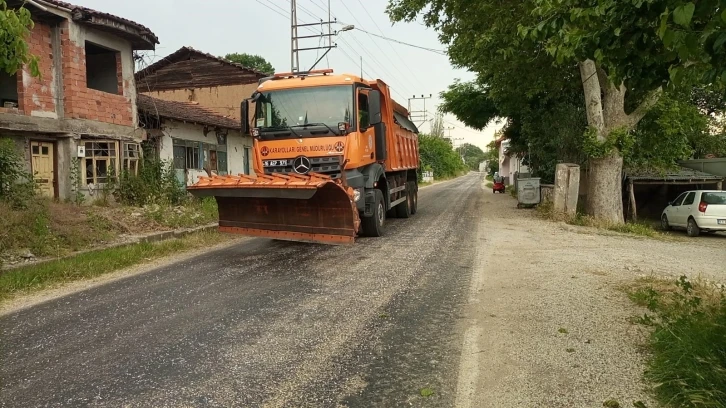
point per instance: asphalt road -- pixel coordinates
(264, 323)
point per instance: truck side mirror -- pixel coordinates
(374, 107)
(244, 116)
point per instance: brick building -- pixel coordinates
(81, 113)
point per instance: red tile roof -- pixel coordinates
(183, 111)
(84, 14)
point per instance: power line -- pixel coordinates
(395, 66)
(435, 51)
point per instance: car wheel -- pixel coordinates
(692, 228)
(664, 223)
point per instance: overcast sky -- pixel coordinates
(263, 27)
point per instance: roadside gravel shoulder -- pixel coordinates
(546, 324)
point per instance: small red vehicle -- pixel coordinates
(498, 186)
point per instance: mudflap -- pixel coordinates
(311, 208)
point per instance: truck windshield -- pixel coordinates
(328, 105)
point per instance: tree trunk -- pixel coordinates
(604, 193)
(605, 106)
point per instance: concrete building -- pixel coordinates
(81, 113)
(194, 138)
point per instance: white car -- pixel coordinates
(696, 211)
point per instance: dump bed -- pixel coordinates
(401, 133)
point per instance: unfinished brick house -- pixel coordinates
(81, 113)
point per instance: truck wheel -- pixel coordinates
(414, 197)
(373, 225)
(403, 210)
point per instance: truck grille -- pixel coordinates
(328, 165)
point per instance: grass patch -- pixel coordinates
(195, 213)
(546, 210)
(426, 392)
(489, 184)
(687, 362)
(92, 264)
(562, 330)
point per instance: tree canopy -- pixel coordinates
(15, 25)
(256, 62)
(576, 77)
(437, 155)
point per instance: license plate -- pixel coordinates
(274, 163)
(721, 222)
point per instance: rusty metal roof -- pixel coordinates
(183, 111)
(681, 174)
(140, 36)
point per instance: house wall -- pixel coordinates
(84, 103)
(61, 91)
(39, 96)
(193, 132)
(711, 166)
(223, 100)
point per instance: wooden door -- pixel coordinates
(43, 166)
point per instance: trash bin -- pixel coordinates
(528, 191)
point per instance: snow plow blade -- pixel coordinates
(310, 208)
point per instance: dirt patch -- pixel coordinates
(555, 328)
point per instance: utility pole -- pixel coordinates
(295, 38)
(450, 128)
(419, 115)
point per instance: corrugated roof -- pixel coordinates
(183, 111)
(84, 14)
(683, 174)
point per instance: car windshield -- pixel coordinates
(329, 105)
(714, 198)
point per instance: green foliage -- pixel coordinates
(438, 155)
(16, 185)
(155, 183)
(256, 62)
(688, 353)
(76, 177)
(15, 26)
(673, 130)
(472, 155)
(619, 140)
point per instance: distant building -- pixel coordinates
(509, 165)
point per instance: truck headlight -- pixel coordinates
(356, 195)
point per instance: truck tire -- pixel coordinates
(403, 210)
(373, 225)
(414, 196)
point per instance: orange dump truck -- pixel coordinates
(334, 155)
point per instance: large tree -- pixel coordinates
(625, 51)
(15, 26)
(256, 62)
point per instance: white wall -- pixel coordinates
(186, 131)
(235, 145)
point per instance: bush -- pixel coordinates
(688, 342)
(437, 154)
(155, 183)
(16, 185)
